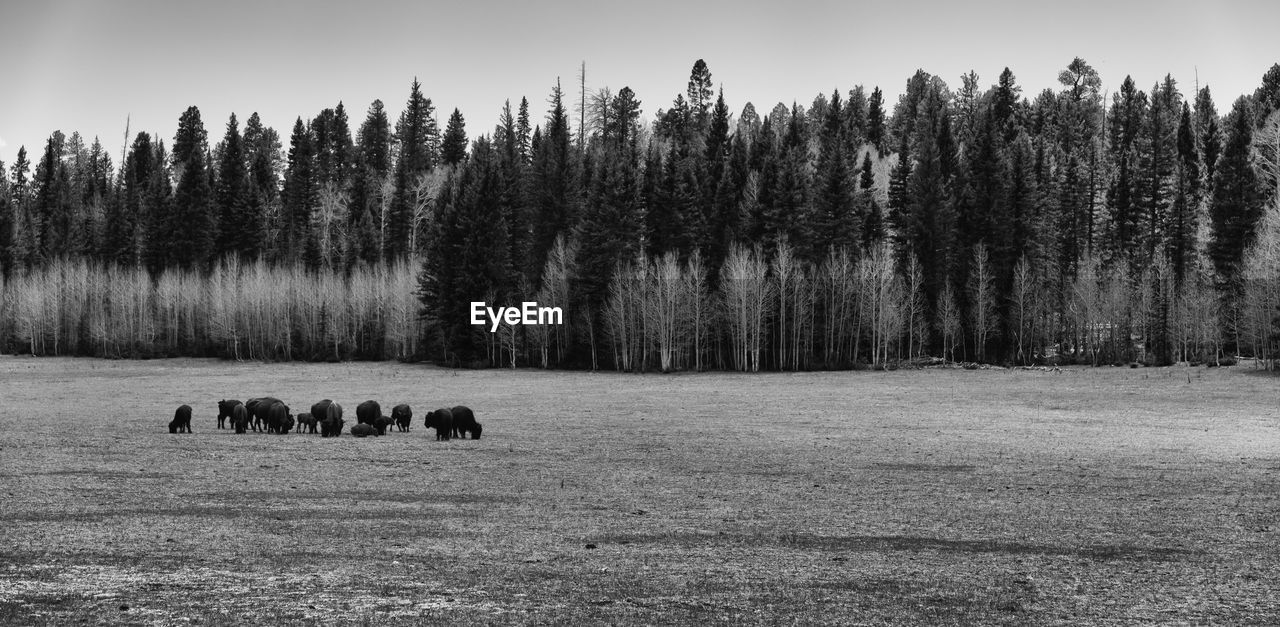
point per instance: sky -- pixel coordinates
(91, 66)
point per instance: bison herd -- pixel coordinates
(270, 415)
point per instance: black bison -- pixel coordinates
(306, 423)
(464, 422)
(442, 421)
(381, 423)
(321, 410)
(363, 429)
(331, 423)
(279, 420)
(402, 415)
(181, 422)
(258, 408)
(240, 418)
(224, 411)
(367, 412)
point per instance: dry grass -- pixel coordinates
(916, 497)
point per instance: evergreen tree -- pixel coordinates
(1208, 134)
(522, 131)
(20, 206)
(237, 224)
(193, 221)
(6, 226)
(699, 92)
(836, 222)
(51, 216)
(453, 148)
(417, 135)
(1237, 200)
(553, 185)
(300, 195)
(1183, 216)
(873, 227)
(875, 121)
(467, 254)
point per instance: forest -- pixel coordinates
(971, 223)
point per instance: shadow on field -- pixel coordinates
(873, 544)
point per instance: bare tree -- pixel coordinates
(982, 300)
(747, 300)
(949, 321)
(1022, 307)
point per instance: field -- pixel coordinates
(933, 496)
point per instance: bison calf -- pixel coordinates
(442, 421)
(181, 422)
(363, 429)
(224, 411)
(402, 415)
(306, 423)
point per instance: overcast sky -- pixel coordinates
(82, 65)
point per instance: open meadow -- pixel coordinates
(937, 496)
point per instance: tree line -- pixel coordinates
(969, 223)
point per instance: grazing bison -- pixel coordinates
(464, 421)
(279, 420)
(381, 423)
(367, 412)
(181, 420)
(224, 411)
(307, 423)
(363, 429)
(331, 423)
(442, 421)
(402, 415)
(240, 418)
(258, 408)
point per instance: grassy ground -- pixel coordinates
(914, 497)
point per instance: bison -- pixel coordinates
(181, 422)
(331, 423)
(279, 420)
(321, 410)
(363, 429)
(442, 421)
(367, 412)
(402, 415)
(381, 424)
(258, 408)
(464, 421)
(240, 418)
(224, 411)
(307, 423)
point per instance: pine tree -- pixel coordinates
(1237, 201)
(237, 224)
(836, 223)
(300, 195)
(453, 148)
(6, 226)
(1208, 134)
(875, 121)
(194, 221)
(417, 135)
(51, 214)
(1183, 216)
(699, 92)
(553, 185)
